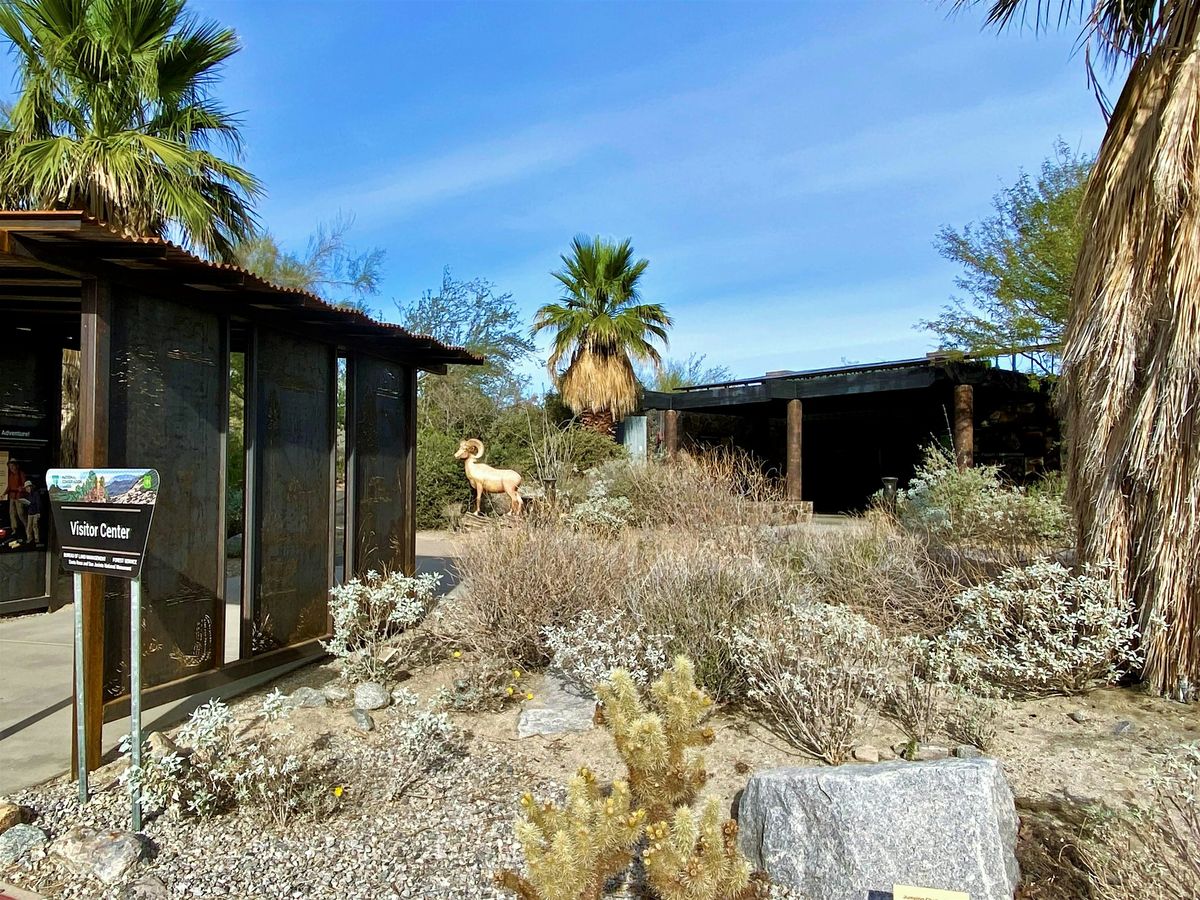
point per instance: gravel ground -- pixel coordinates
(443, 838)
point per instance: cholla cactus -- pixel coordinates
(658, 745)
(690, 860)
(571, 852)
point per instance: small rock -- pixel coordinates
(18, 842)
(148, 887)
(160, 745)
(10, 815)
(336, 693)
(966, 751)
(371, 695)
(929, 752)
(362, 719)
(1123, 727)
(866, 753)
(1078, 716)
(307, 698)
(106, 855)
(886, 754)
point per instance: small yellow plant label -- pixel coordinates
(908, 892)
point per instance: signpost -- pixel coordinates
(102, 517)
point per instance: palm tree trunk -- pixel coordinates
(599, 420)
(1131, 364)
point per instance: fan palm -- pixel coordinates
(1131, 363)
(601, 326)
(114, 116)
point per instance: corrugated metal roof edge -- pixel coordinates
(469, 358)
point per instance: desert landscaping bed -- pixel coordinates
(448, 835)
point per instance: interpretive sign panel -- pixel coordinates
(102, 517)
(908, 892)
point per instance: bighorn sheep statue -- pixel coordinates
(484, 478)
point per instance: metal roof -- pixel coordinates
(42, 252)
(932, 359)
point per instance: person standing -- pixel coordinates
(33, 512)
(15, 493)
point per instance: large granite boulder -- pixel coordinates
(839, 833)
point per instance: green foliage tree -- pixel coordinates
(115, 116)
(470, 314)
(328, 267)
(1018, 266)
(600, 327)
(674, 374)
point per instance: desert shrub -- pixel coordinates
(716, 488)
(484, 686)
(593, 646)
(876, 569)
(367, 615)
(599, 512)
(696, 591)
(917, 700)
(972, 716)
(1041, 630)
(216, 768)
(520, 581)
(976, 508)
(816, 674)
(440, 479)
(1150, 852)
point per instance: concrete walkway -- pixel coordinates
(36, 653)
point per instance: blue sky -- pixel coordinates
(784, 166)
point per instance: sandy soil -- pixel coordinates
(1048, 756)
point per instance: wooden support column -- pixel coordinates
(964, 425)
(94, 378)
(408, 555)
(671, 432)
(795, 433)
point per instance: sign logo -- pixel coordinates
(103, 518)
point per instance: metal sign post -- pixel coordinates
(135, 700)
(102, 517)
(80, 724)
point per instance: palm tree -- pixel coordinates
(114, 116)
(602, 326)
(1131, 363)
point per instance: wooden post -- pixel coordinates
(795, 432)
(671, 432)
(408, 558)
(964, 425)
(94, 377)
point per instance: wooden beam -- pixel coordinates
(795, 430)
(964, 425)
(94, 377)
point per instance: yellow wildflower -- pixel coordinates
(337, 791)
(529, 695)
(457, 654)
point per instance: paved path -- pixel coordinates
(35, 685)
